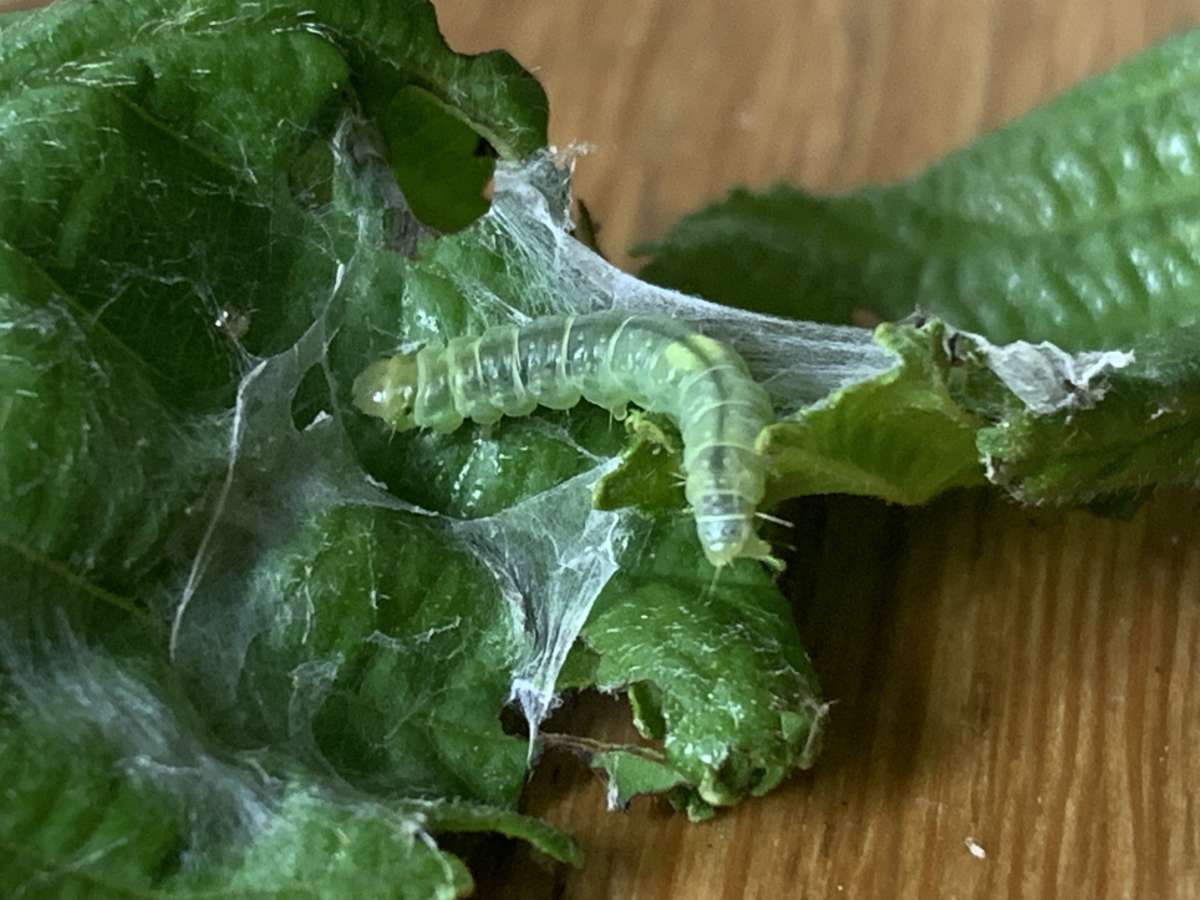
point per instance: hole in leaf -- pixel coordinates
(484, 148)
(441, 164)
(311, 398)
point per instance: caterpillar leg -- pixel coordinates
(773, 563)
(767, 517)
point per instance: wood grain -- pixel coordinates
(1023, 684)
(683, 99)
(1020, 683)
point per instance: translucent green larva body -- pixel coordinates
(609, 359)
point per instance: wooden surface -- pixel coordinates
(1022, 684)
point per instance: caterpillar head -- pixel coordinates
(387, 388)
(727, 540)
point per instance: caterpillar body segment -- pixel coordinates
(609, 359)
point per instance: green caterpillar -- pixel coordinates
(610, 359)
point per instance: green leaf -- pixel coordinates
(900, 436)
(171, 210)
(371, 613)
(958, 411)
(1137, 427)
(319, 848)
(88, 455)
(314, 848)
(112, 143)
(723, 755)
(196, 264)
(714, 666)
(1078, 225)
(81, 821)
(650, 472)
(468, 818)
(631, 771)
(632, 774)
(10, 17)
(95, 186)
(440, 163)
(385, 50)
(1075, 224)
(72, 825)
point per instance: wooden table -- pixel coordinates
(1017, 707)
(1017, 695)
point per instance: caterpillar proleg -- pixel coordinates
(610, 359)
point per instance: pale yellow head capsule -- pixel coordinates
(387, 388)
(731, 539)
